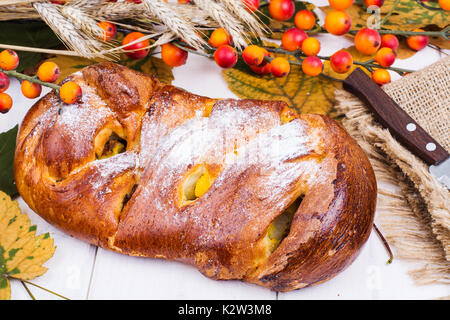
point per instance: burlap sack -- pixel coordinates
(415, 218)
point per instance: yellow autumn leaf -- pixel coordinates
(22, 253)
(149, 65)
(5, 289)
(409, 15)
(440, 42)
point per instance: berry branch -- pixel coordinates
(444, 33)
(368, 63)
(31, 79)
(298, 42)
(31, 86)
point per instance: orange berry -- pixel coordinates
(70, 92)
(281, 9)
(226, 56)
(109, 30)
(417, 42)
(264, 67)
(385, 57)
(311, 46)
(367, 41)
(377, 3)
(381, 76)
(9, 60)
(144, 45)
(30, 89)
(48, 71)
(292, 39)
(4, 82)
(444, 4)
(340, 4)
(172, 55)
(253, 55)
(337, 22)
(389, 41)
(5, 102)
(219, 37)
(312, 66)
(251, 5)
(305, 19)
(341, 61)
(279, 67)
(184, 1)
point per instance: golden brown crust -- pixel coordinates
(259, 164)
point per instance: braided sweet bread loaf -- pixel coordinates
(242, 189)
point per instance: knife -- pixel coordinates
(400, 124)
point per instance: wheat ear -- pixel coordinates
(82, 21)
(238, 8)
(67, 32)
(182, 28)
(226, 20)
(118, 10)
(87, 4)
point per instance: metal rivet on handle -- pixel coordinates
(430, 146)
(410, 127)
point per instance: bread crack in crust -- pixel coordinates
(241, 189)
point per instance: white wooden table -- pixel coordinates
(82, 271)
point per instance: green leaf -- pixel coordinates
(7, 148)
(31, 34)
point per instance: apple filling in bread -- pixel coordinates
(113, 146)
(280, 227)
(196, 184)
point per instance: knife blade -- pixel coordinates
(407, 131)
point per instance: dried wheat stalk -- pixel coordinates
(118, 10)
(68, 33)
(17, 2)
(82, 21)
(237, 7)
(75, 23)
(182, 28)
(226, 20)
(125, 10)
(87, 4)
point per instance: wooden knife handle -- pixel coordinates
(391, 116)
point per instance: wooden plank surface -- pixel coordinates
(121, 277)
